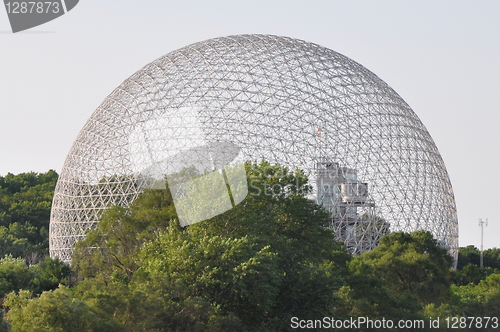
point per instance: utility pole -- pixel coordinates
(481, 224)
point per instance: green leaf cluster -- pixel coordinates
(408, 277)
(25, 202)
(252, 268)
(54, 311)
(15, 274)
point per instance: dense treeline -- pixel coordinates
(25, 201)
(269, 264)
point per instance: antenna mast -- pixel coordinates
(481, 224)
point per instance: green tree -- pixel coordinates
(471, 300)
(4, 326)
(468, 255)
(239, 274)
(48, 274)
(22, 240)
(468, 269)
(266, 260)
(14, 275)
(54, 311)
(251, 268)
(25, 202)
(112, 247)
(368, 295)
(492, 258)
(482, 300)
(471, 274)
(151, 305)
(27, 197)
(398, 279)
(414, 263)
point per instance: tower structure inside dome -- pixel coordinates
(261, 97)
(352, 209)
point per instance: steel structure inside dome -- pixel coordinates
(370, 159)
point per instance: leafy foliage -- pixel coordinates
(397, 279)
(413, 263)
(44, 276)
(468, 255)
(25, 201)
(469, 270)
(49, 274)
(492, 258)
(113, 246)
(14, 275)
(54, 311)
(251, 268)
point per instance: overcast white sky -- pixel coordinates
(442, 57)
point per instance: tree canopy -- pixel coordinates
(25, 202)
(269, 258)
(252, 268)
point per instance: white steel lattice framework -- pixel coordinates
(370, 159)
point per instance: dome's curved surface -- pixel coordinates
(266, 97)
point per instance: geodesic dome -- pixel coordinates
(259, 97)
